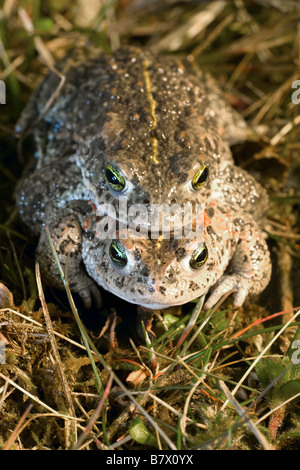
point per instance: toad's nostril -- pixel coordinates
(173, 201)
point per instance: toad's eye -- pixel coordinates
(114, 178)
(199, 257)
(200, 177)
(117, 254)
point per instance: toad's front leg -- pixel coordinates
(250, 267)
(66, 236)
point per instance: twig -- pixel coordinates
(3, 393)
(70, 438)
(176, 412)
(37, 400)
(260, 356)
(259, 436)
(95, 415)
(59, 335)
(266, 415)
(17, 429)
(187, 402)
(285, 267)
(135, 404)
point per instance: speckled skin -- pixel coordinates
(151, 117)
(158, 123)
(158, 273)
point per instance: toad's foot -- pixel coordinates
(87, 290)
(228, 283)
(66, 236)
(250, 264)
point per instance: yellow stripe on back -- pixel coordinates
(152, 103)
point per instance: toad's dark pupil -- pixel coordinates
(111, 177)
(199, 257)
(203, 176)
(117, 254)
(114, 178)
(200, 178)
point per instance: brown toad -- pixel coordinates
(132, 124)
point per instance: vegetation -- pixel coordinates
(222, 379)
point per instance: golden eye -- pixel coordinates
(114, 178)
(199, 257)
(200, 177)
(117, 254)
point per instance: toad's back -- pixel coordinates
(154, 108)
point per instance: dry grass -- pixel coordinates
(229, 381)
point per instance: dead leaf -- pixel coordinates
(6, 297)
(137, 376)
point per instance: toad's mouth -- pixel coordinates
(159, 299)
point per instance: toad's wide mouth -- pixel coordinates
(159, 299)
(159, 304)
